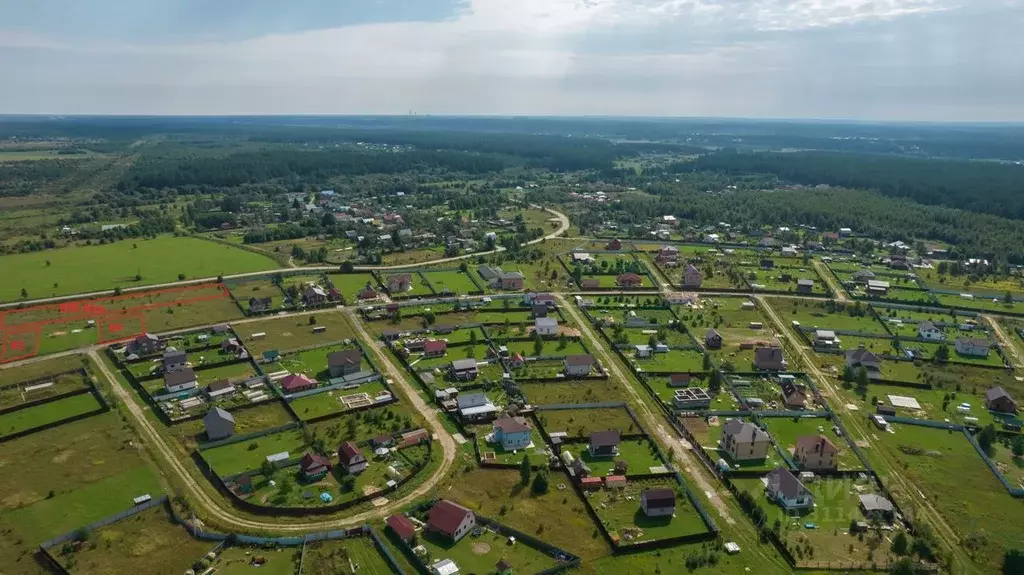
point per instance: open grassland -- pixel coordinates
(340, 556)
(93, 268)
(47, 413)
(583, 422)
(572, 391)
(250, 454)
(39, 369)
(286, 333)
(80, 472)
(149, 542)
(239, 561)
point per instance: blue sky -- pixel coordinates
(948, 60)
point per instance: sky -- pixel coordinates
(916, 60)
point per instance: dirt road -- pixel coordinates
(826, 275)
(1006, 340)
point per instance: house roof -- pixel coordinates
(872, 502)
(926, 326)
(174, 355)
(628, 277)
(218, 414)
(808, 442)
(745, 432)
(179, 377)
(402, 526)
(464, 364)
(804, 282)
(783, 482)
(546, 322)
(345, 357)
(348, 451)
(679, 378)
(996, 393)
(296, 381)
(608, 438)
(219, 385)
(659, 498)
(446, 516)
(579, 360)
(824, 334)
(862, 356)
(435, 345)
(768, 355)
(512, 425)
(403, 278)
(712, 334)
(311, 461)
(972, 341)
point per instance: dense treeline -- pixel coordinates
(985, 187)
(24, 178)
(263, 166)
(890, 219)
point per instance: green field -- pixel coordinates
(238, 561)
(250, 454)
(94, 268)
(293, 332)
(46, 413)
(582, 422)
(338, 557)
(622, 516)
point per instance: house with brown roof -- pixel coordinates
(450, 520)
(314, 466)
(628, 280)
(147, 344)
(512, 433)
(399, 283)
(402, 527)
(590, 283)
(351, 458)
(679, 380)
(181, 380)
(578, 365)
(668, 254)
(769, 359)
(297, 382)
(613, 245)
(314, 295)
(435, 348)
(999, 400)
(658, 502)
(794, 395)
(368, 292)
(344, 362)
(691, 276)
(744, 441)
(816, 452)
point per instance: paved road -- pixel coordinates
(228, 517)
(652, 421)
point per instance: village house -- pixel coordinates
(581, 258)
(668, 254)
(691, 276)
(604, 443)
(928, 330)
(536, 298)
(181, 380)
(876, 507)
(744, 441)
(804, 286)
(368, 292)
(220, 388)
(314, 295)
(399, 283)
(825, 338)
(794, 395)
(219, 424)
(435, 348)
(147, 344)
(862, 358)
(679, 380)
(691, 398)
(476, 407)
(545, 326)
(512, 433)
(351, 458)
(539, 310)
(769, 359)
(877, 287)
(816, 453)
(578, 365)
(174, 360)
(297, 382)
(999, 400)
(972, 346)
(658, 502)
(785, 489)
(402, 527)
(862, 276)
(511, 280)
(613, 245)
(642, 351)
(463, 369)
(712, 339)
(314, 466)
(628, 280)
(260, 304)
(450, 520)
(344, 362)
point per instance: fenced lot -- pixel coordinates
(786, 430)
(37, 389)
(331, 402)
(293, 332)
(451, 282)
(479, 554)
(825, 528)
(41, 370)
(549, 347)
(926, 351)
(621, 514)
(540, 369)
(266, 415)
(672, 361)
(940, 464)
(258, 288)
(571, 391)
(79, 472)
(351, 284)
(148, 542)
(313, 362)
(47, 413)
(250, 454)
(989, 304)
(583, 422)
(828, 315)
(493, 452)
(639, 455)
(340, 555)
(234, 560)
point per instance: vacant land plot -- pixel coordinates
(340, 556)
(620, 512)
(672, 361)
(145, 543)
(480, 554)
(21, 394)
(23, 419)
(329, 402)
(571, 391)
(239, 561)
(639, 455)
(93, 268)
(994, 286)
(827, 315)
(40, 369)
(451, 282)
(250, 454)
(785, 431)
(583, 422)
(286, 333)
(548, 348)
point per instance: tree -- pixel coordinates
(472, 337)
(862, 381)
(900, 544)
(715, 383)
(538, 344)
(942, 353)
(987, 438)
(706, 365)
(267, 469)
(24, 293)
(348, 483)
(524, 470)
(1007, 298)
(312, 320)
(1018, 446)
(903, 567)
(848, 374)
(540, 482)
(181, 277)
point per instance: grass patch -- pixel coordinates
(47, 413)
(582, 422)
(250, 454)
(621, 514)
(339, 556)
(286, 333)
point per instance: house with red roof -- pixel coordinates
(450, 519)
(297, 382)
(314, 466)
(628, 280)
(351, 458)
(613, 245)
(435, 348)
(402, 527)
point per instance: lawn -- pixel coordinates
(926, 351)
(286, 333)
(571, 391)
(17, 395)
(549, 348)
(539, 369)
(328, 403)
(145, 543)
(235, 372)
(480, 554)
(823, 315)
(786, 430)
(538, 454)
(39, 369)
(582, 422)
(313, 362)
(639, 454)
(93, 268)
(451, 282)
(80, 472)
(338, 556)
(250, 454)
(673, 361)
(620, 512)
(351, 284)
(258, 288)
(238, 561)
(47, 413)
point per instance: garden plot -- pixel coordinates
(782, 279)
(786, 430)
(811, 314)
(822, 534)
(583, 422)
(639, 455)
(336, 402)
(286, 333)
(259, 288)
(672, 361)
(541, 369)
(236, 560)
(570, 391)
(927, 351)
(451, 283)
(989, 304)
(38, 389)
(338, 557)
(622, 516)
(250, 454)
(479, 553)
(548, 348)
(313, 363)
(47, 413)
(351, 284)
(492, 452)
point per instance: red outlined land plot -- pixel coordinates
(115, 318)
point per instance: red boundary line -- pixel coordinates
(100, 327)
(6, 341)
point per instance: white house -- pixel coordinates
(927, 330)
(180, 380)
(546, 326)
(785, 489)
